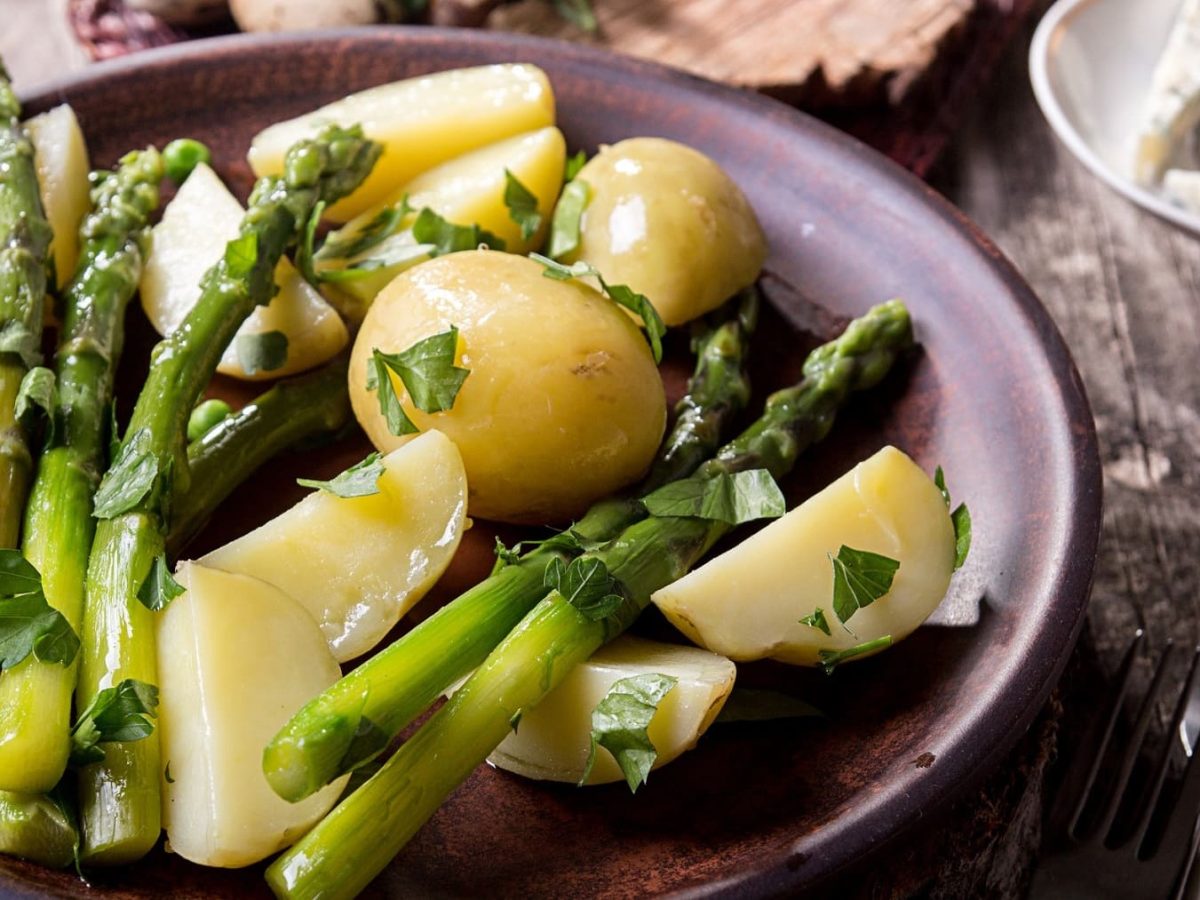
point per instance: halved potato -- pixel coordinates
(358, 564)
(747, 603)
(237, 657)
(421, 123)
(62, 172)
(467, 190)
(191, 237)
(551, 740)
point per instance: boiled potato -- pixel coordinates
(747, 603)
(468, 190)
(421, 123)
(551, 740)
(357, 564)
(563, 403)
(302, 15)
(62, 173)
(667, 221)
(191, 237)
(236, 658)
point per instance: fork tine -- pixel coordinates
(1179, 832)
(1074, 796)
(1134, 745)
(1164, 757)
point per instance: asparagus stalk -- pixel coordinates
(344, 852)
(290, 412)
(35, 827)
(35, 698)
(119, 796)
(388, 691)
(24, 259)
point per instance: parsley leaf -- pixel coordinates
(620, 724)
(737, 498)
(304, 252)
(565, 541)
(817, 620)
(830, 659)
(120, 713)
(446, 237)
(859, 579)
(241, 255)
(568, 215)
(263, 352)
(621, 294)
(961, 518)
(159, 588)
(360, 480)
(757, 705)
(575, 162)
(587, 585)
(16, 338)
(402, 254)
(129, 479)
(522, 205)
(28, 624)
(36, 396)
(427, 371)
(579, 13)
(385, 223)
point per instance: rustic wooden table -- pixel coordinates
(1125, 290)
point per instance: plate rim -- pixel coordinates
(1040, 52)
(899, 807)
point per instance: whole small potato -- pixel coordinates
(302, 15)
(667, 221)
(563, 404)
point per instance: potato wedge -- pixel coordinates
(358, 564)
(191, 237)
(237, 657)
(421, 123)
(747, 603)
(467, 190)
(551, 741)
(62, 172)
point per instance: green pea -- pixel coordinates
(205, 417)
(181, 156)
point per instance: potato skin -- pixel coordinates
(667, 221)
(563, 405)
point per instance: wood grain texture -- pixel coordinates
(812, 51)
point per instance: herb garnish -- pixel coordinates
(446, 237)
(622, 294)
(568, 216)
(731, 498)
(960, 518)
(360, 480)
(579, 13)
(36, 397)
(620, 724)
(575, 162)
(129, 479)
(831, 658)
(427, 371)
(28, 624)
(159, 588)
(587, 585)
(263, 352)
(522, 205)
(859, 579)
(120, 713)
(817, 620)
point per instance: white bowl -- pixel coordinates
(1091, 64)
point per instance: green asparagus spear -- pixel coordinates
(291, 411)
(35, 698)
(24, 259)
(387, 692)
(119, 797)
(345, 851)
(391, 689)
(37, 828)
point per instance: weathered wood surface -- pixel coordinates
(1125, 290)
(810, 51)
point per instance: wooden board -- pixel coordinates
(813, 53)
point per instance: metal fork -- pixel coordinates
(1108, 856)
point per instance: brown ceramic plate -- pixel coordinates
(992, 396)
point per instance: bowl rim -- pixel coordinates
(1041, 53)
(897, 807)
